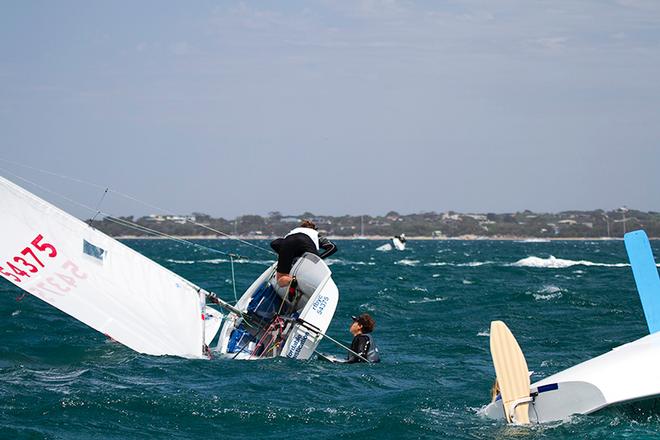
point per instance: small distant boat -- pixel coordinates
(628, 373)
(399, 242)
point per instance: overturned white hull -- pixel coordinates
(261, 334)
(628, 373)
(398, 244)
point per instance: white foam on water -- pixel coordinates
(548, 293)
(550, 289)
(405, 262)
(222, 261)
(484, 333)
(340, 262)
(15, 313)
(474, 264)
(419, 289)
(181, 261)
(540, 297)
(559, 263)
(384, 248)
(468, 264)
(436, 275)
(426, 300)
(467, 282)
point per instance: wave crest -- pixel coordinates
(559, 263)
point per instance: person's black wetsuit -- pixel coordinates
(365, 346)
(295, 245)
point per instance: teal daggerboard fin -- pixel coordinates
(646, 276)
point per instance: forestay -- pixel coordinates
(98, 280)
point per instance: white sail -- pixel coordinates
(98, 280)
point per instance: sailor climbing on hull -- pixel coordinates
(304, 238)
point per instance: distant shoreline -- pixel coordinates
(380, 238)
(518, 226)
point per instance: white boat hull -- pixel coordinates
(312, 316)
(625, 374)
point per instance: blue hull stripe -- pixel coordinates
(549, 387)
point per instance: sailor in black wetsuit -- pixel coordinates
(363, 343)
(304, 238)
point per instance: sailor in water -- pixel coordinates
(363, 343)
(304, 238)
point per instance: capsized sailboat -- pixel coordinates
(292, 326)
(628, 373)
(132, 299)
(399, 242)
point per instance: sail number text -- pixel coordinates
(34, 258)
(28, 260)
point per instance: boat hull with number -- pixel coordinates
(272, 326)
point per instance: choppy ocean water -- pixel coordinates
(565, 302)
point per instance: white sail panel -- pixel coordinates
(96, 279)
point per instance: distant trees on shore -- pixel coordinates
(526, 224)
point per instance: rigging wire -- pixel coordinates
(98, 206)
(135, 199)
(121, 221)
(156, 233)
(129, 224)
(233, 279)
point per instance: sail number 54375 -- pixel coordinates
(28, 262)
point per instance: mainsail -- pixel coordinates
(98, 280)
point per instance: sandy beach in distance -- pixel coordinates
(377, 238)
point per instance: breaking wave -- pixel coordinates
(426, 300)
(548, 293)
(468, 264)
(222, 261)
(405, 262)
(340, 262)
(559, 263)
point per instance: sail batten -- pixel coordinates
(96, 279)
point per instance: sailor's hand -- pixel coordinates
(283, 279)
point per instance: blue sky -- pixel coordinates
(335, 107)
